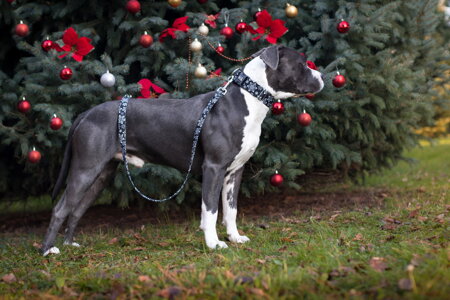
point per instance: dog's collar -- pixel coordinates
(252, 87)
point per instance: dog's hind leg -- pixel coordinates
(79, 181)
(90, 196)
(212, 183)
(230, 191)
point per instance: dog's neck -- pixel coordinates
(256, 70)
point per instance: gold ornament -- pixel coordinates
(291, 11)
(200, 71)
(203, 29)
(196, 46)
(174, 3)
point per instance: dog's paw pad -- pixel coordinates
(239, 239)
(73, 244)
(52, 250)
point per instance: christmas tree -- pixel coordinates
(380, 59)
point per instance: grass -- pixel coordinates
(399, 250)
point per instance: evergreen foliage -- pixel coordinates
(390, 58)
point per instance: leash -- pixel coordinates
(238, 77)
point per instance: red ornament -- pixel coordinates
(22, 29)
(10, 1)
(241, 27)
(343, 27)
(47, 45)
(276, 179)
(339, 80)
(146, 40)
(310, 96)
(304, 119)
(133, 6)
(227, 31)
(56, 123)
(202, 1)
(34, 156)
(311, 65)
(256, 15)
(220, 49)
(23, 106)
(66, 73)
(277, 108)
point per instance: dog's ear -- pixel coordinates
(270, 56)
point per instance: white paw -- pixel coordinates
(73, 244)
(238, 238)
(52, 250)
(217, 245)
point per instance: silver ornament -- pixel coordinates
(203, 29)
(108, 79)
(196, 46)
(200, 71)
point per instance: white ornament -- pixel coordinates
(200, 71)
(108, 79)
(196, 46)
(203, 29)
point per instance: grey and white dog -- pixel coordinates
(160, 131)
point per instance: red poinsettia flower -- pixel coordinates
(78, 47)
(215, 73)
(211, 20)
(178, 25)
(272, 29)
(149, 89)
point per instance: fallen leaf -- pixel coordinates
(170, 292)
(389, 226)
(113, 241)
(9, 278)
(144, 278)
(440, 219)
(138, 249)
(333, 217)
(256, 291)
(261, 261)
(422, 219)
(37, 245)
(287, 240)
(228, 274)
(163, 244)
(358, 237)
(378, 264)
(405, 284)
(413, 213)
(422, 189)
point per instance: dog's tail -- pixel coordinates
(67, 157)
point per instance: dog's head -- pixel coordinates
(286, 72)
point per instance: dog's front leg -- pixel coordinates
(230, 191)
(212, 183)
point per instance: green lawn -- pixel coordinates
(397, 250)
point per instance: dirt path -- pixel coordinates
(272, 205)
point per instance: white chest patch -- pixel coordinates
(252, 130)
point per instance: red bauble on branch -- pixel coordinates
(241, 27)
(23, 106)
(10, 1)
(56, 123)
(220, 49)
(47, 45)
(276, 179)
(304, 119)
(339, 80)
(227, 31)
(22, 29)
(277, 108)
(34, 156)
(202, 1)
(66, 73)
(255, 16)
(146, 40)
(133, 6)
(310, 96)
(343, 27)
